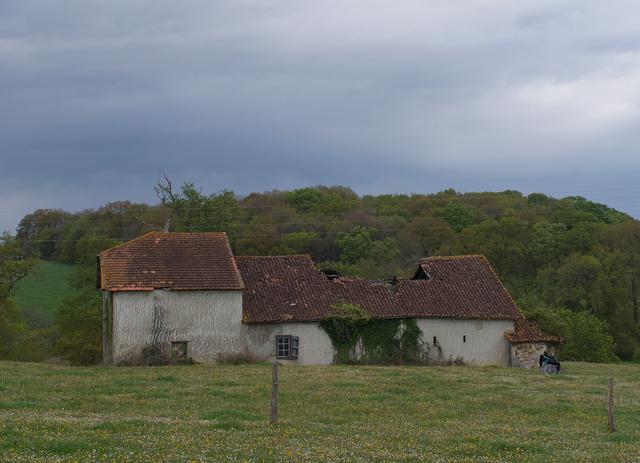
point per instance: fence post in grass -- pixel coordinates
(274, 393)
(612, 420)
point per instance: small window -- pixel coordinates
(435, 340)
(287, 347)
(464, 338)
(179, 350)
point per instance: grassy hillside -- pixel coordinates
(42, 291)
(219, 413)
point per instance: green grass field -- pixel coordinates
(41, 292)
(220, 413)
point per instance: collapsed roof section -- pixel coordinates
(289, 288)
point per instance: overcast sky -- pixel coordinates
(399, 96)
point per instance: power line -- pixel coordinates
(397, 197)
(322, 232)
(371, 220)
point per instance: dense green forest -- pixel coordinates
(571, 264)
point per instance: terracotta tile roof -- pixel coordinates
(528, 331)
(289, 288)
(458, 287)
(282, 288)
(179, 261)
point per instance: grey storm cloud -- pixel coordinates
(383, 96)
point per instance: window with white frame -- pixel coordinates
(287, 347)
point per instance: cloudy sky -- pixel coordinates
(96, 97)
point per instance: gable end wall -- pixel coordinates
(209, 321)
(474, 342)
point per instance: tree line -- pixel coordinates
(571, 264)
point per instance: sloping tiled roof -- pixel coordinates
(289, 288)
(282, 288)
(178, 261)
(528, 331)
(458, 287)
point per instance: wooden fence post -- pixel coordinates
(612, 420)
(274, 393)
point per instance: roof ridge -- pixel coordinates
(127, 242)
(191, 233)
(455, 257)
(234, 262)
(160, 232)
(308, 256)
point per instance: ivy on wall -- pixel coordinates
(357, 338)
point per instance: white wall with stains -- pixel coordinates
(315, 345)
(209, 321)
(475, 342)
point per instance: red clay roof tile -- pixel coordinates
(528, 331)
(289, 288)
(179, 261)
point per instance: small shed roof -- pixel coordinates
(177, 261)
(527, 331)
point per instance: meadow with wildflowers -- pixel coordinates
(220, 413)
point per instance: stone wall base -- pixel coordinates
(527, 355)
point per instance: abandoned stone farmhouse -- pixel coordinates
(188, 294)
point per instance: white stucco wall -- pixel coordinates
(315, 345)
(210, 321)
(485, 342)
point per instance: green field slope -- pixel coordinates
(41, 292)
(220, 413)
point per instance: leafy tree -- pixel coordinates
(548, 244)
(12, 327)
(355, 246)
(14, 264)
(81, 315)
(330, 201)
(625, 238)
(89, 246)
(505, 243)
(585, 337)
(458, 216)
(573, 284)
(535, 199)
(298, 242)
(193, 211)
(432, 233)
(79, 321)
(41, 232)
(259, 237)
(382, 261)
(304, 199)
